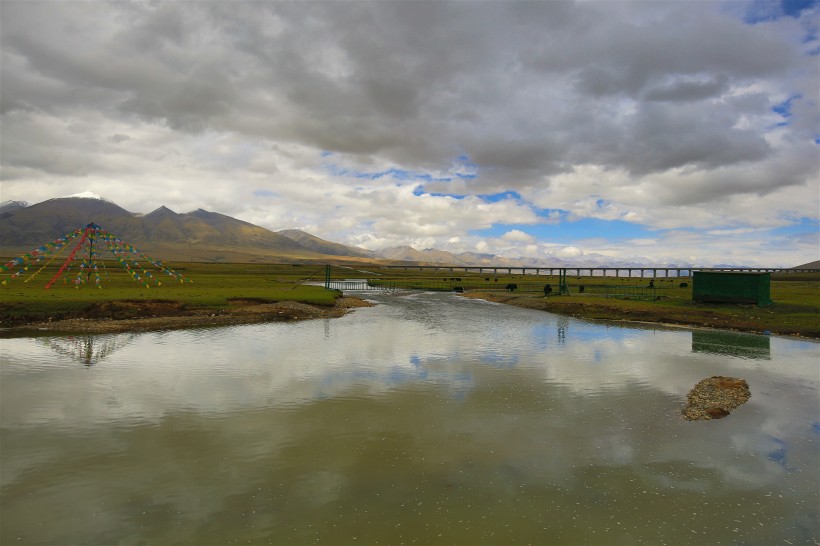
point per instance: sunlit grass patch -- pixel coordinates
(212, 286)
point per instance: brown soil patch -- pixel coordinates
(140, 316)
(715, 397)
(119, 310)
(246, 301)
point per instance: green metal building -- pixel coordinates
(732, 287)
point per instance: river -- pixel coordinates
(428, 419)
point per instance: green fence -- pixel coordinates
(631, 292)
(732, 287)
(340, 278)
(532, 287)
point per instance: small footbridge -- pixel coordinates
(360, 285)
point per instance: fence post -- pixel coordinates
(562, 281)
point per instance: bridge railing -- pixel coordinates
(628, 272)
(361, 285)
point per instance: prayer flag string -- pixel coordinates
(95, 239)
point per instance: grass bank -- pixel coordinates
(214, 287)
(219, 288)
(795, 312)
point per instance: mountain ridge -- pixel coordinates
(206, 233)
(325, 247)
(7, 206)
(212, 236)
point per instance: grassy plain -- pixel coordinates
(796, 308)
(217, 286)
(795, 311)
(214, 286)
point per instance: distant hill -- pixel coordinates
(44, 222)
(197, 235)
(410, 254)
(7, 206)
(433, 256)
(209, 236)
(324, 247)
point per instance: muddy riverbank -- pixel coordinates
(739, 318)
(131, 315)
(147, 316)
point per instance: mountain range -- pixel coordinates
(196, 236)
(202, 236)
(209, 236)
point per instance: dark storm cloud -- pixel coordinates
(370, 78)
(687, 90)
(526, 91)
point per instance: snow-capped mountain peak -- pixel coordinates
(86, 195)
(12, 205)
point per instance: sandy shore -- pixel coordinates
(247, 313)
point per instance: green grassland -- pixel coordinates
(212, 286)
(795, 311)
(796, 308)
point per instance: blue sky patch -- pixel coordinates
(465, 161)
(420, 191)
(488, 197)
(761, 11)
(503, 196)
(564, 232)
(803, 225)
(393, 173)
(785, 108)
(793, 8)
(551, 213)
(464, 170)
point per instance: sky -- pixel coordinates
(668, 132)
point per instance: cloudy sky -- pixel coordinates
(676, 131)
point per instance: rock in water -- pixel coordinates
(715, 397)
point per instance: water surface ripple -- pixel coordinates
(428, 419)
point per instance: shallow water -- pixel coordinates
(428, 419)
